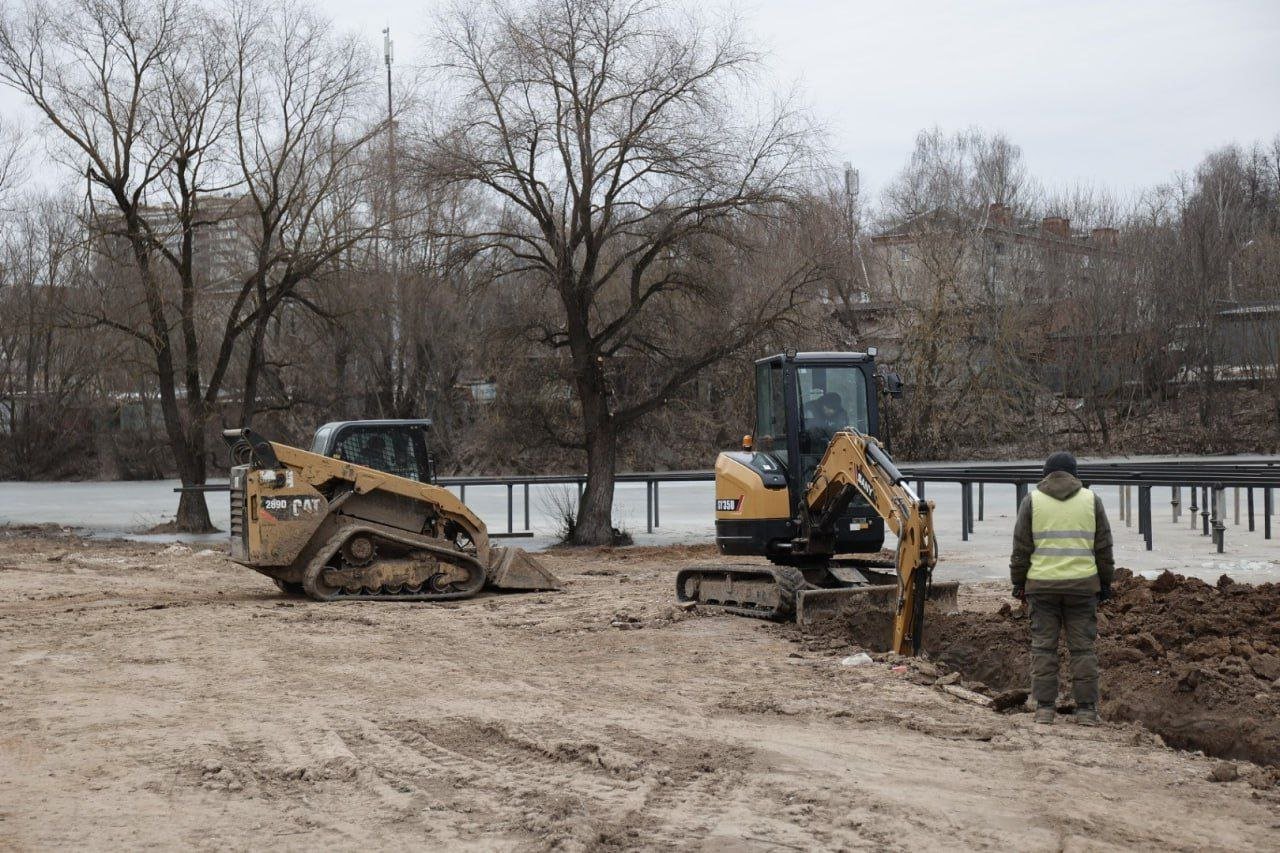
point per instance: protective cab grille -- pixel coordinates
(239, 533)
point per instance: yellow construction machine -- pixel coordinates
(812, 486)
(359, 517)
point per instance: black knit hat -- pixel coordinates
(1060, 461)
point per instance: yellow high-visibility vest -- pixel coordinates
(1063, 535)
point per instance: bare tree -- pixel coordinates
(610, 130)
(46, 371)
(166, 110)
(959, 288)
(300, 99)
(101, 73)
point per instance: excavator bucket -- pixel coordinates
(817, 605)
(516, 568)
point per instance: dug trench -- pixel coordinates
(1195, 663)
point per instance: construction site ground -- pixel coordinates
(161, 696)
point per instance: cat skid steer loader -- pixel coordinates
(358, 517)
(812, 490)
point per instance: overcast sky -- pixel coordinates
(1117, 92)
(1121, 93)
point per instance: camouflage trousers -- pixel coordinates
(1053, 614)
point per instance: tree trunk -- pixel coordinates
(1103, 426)
(253, 368)
(594, 525)
(193, 514)
(193, 509)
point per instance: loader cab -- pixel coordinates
(397, 447)
(802, 400)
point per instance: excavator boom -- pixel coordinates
(854, 464)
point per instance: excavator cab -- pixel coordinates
(811, 483)
(802, 401)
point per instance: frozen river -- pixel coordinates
(131, 508)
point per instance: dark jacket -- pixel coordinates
(1061, 485)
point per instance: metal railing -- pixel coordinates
(651, 479)
(1206, 479)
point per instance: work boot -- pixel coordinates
(1086, 715)
(1045, 714)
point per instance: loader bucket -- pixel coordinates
(816, 605)
(516, 568)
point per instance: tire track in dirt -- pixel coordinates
(625, 798)
(503, 784)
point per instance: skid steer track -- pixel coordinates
(326, 578)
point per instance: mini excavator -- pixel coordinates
(813, 483)
(359, 516)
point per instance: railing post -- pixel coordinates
(920, 489)
(1194, 508)
(1213, 514)
(648, 506)
(1175, 501)
(526, 506)
(982, 502)
(1144, 512)
(1249, 506)
(1236, 495)
(1020, 493)
(1204, 510)
(1120, 491)
(1220, 517)
(1267, 508)
(462, 492)
(657, 519)
(964, 512)
(1128, 508)
(511, 514)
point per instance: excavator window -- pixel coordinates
(831, 399)
(771, 411)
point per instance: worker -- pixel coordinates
(825, 418)
(1062, 566)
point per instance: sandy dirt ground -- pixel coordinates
(169, 698)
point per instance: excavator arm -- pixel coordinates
(854, 464)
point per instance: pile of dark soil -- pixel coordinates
(1197, 664)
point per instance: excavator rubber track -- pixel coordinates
(781, 593)
(762, 592)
